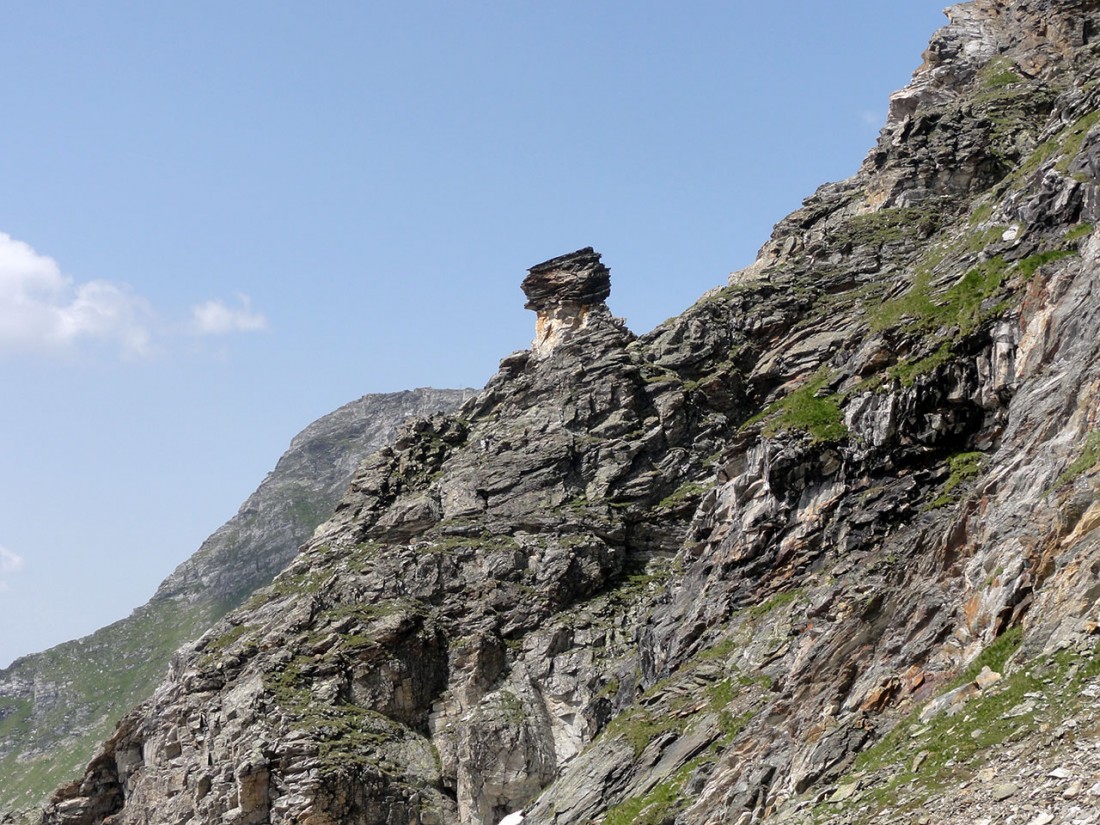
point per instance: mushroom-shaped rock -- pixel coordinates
(577, 278)
(562, 291)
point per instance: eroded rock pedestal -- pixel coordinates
(564, 291)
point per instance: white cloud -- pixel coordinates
(216, 318)
(9, 563)
(872, 119)
(43, 310)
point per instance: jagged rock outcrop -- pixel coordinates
(822, 548)
(57, 705)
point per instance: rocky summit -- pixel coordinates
(822, 548)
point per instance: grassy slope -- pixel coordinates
(107, 673)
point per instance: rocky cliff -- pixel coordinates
(57, 705)
(821, 548)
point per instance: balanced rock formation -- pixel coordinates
(563, 292)
(824, 547)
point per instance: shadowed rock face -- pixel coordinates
(577, 278)
(701, 575)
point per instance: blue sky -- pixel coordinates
(221, 221)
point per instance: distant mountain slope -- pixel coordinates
(55, 705)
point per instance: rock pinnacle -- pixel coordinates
(562, 291)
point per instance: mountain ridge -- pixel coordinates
(56, 704)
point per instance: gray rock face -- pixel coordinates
(751, 566)
(58, 704)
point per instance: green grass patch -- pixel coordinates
(999, 72)
(914, 306)
(662, 708)
(732, 724)
(226, 639)
(924, 759)
(484, 541)
(639, 727)
(995, 656)
(349, 737)
(959, 306)
(963, 300)
(964, 466)
(1037, 159)
(290, 685)
(722, 650)
(978, 240)
(954, 312)
(511, 706)
(1065, 145)
(1072, 138)
(803, 409)
(981, 214)
(721, 693)
(907, 372)
(659, 805)
(610, 689)
(638, 577)
(1075, 233)
(1026, 268)
(370, 611)
(14, 715)
(774, 602)
(691, 490)
(765, 413)
(889, 226)
(1088, 459)
(306, 582)
(898, 742)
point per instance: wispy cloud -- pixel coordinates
(44, 311)
(872, 119)
(217, 318)
(9, 563)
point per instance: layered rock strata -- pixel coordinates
(563, 292)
